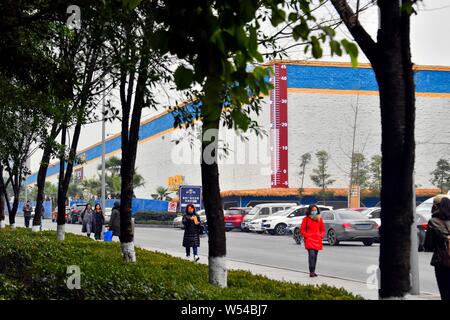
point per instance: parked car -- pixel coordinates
(295, 221)
(234, 217)
(373, 214)
(342, 225)
(75, 213)
(262, 211)
(346, 225)
(283, 222)
(178, 221)
(55, 214)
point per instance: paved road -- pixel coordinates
(348, 261)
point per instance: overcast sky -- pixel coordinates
(430, 46)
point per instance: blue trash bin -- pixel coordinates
(107, 236)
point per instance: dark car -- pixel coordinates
(343, 225)
(234, 217)
(75, 213)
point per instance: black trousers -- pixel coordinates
(312, 259)
(98, 235)
(443, 281)
(27, 222)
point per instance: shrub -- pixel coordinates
(33, 265)
(155, 216)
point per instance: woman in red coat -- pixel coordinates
(313, 231)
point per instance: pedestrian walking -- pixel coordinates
(99, 219)
(114, 221)
(437, 240)
(87, 217)
(27, 214)
(313, 231)
(191, 238)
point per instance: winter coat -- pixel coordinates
(114, 222)
(99, 221)
(436, 236)
(313, 232)
(88, 221)
(27, 211)
(191, 236)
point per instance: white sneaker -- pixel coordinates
(196, 258)
(188, 257)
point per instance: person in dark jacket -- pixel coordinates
(27, 214)
(313, 231)
(191, 238)
(437, 240)
(114, 221)
(88, 220)
(99, 221)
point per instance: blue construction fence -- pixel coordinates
(137, 204)
(48, 208)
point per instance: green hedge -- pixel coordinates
(33, 265)
(155, 216)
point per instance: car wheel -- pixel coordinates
(272, 232)
(368, 243)
(280, 229)
(297, 236)
(228, 229)
(331, 238)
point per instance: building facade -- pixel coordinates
(323, 100)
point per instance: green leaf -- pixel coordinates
(316, 48)
(183, 77)
(352, 51)
(301, 31)
(335, 47)
(278, 16)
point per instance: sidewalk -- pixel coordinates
(354, 286)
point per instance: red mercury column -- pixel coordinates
(279, 127)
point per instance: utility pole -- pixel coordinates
(103, 192)
(414, 258)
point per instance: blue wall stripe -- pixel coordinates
(340, 78)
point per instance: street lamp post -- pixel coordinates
(103, 192)
(414, 257)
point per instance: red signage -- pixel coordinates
(279, 127)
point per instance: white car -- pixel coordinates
(373, 214)
(295, 218)
(262, 211)
(281, 222)
(256, 226)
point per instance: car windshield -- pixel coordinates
(351, 215)
(424, 207)
(366, 211)
(254, 211)
(232, 212)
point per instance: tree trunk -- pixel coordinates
(13, 212)
(391, 61)
(213, 203)
(397, 102)
(61, 194)
(2, 200)
(41, 177)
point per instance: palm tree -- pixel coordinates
(162, 194)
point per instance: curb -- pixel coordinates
(138, 225)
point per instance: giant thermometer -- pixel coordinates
(279, 127)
